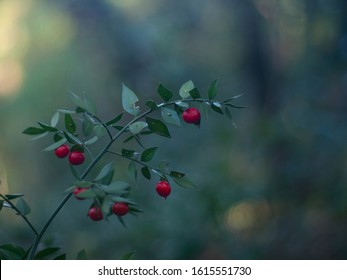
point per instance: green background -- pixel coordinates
(272, 188)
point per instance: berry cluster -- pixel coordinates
(75, 157)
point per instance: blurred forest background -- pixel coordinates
(275, 187)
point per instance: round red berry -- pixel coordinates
(76, 158)
(78, 190)
(120, 208)
(163, 188)
(191, 115)
(95, 214)
(62, 151)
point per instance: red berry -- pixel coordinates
(62, 151)
(163, 188)
(191, 115)
(120, 208)
(95, 214)
(76, 158)
(78, 190)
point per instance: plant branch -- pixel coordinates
(19, 213)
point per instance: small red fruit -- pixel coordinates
(95, 214)
(163, 188)
(120, 208)
(78, 190)
(76, 158)
(191, 115)
(62, 151)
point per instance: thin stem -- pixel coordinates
(139, 162)
(95, 161)
(19, 213)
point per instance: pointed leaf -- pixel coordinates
(99, 130)
(165, 93)
(184, 182)
(47, 127)
(194, 93)
(148, 154)
(11, 252)
(108, 179)
(13, 196)
(55, 119)
(163, 164)
(185, 89)
(117, 187)
(23, 207)
(88, 193)
(106, 206)
(129, 100)
(217, 107)
(212, 90)
(70, 124)
(137, 127)
(170, 116)
(77, 100)
(115, 120)
(104, 172)
(146, 173)
(72, 139)
(91, 141)
(158, 127)
(87, 127)
(55, 145)
(121, 220)
(152, 105)
(177, 174)
(39, 136)
(129, 256)
(234, 97)
(34, 131)
(89, 105)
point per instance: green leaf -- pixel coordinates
(158, 127)
(129, 100)
(70, 124)
(108, 178)
(137, 127)
(177, 174)
(72, 139)
(217, 107)
(212, 90)
(106, 206)
(89, 105)
(165, 93)
(23, 207)
(121, 220)
(163, 164)
(55, 119)
(11, 251)
(13, 196)
(232, 98)
(104, 172)
(132, 171)
(91, 140)
(1, 204)
(87, 127)
(148, 154)
(115, 120)
(55, 145)
(39, 136)
(99, 130)
(43, 254)
(88, 193)
(170, 116)
(131, 137)
(152, 105)
(77, 100)
(34, 131)
(184, 182)
(185, 89)
(65, 111)
(47, 127)
(82, 255)
(129, 256)
(128, 153)
(146, 173)
(194, 93)
(182, 104)
(117, 187)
